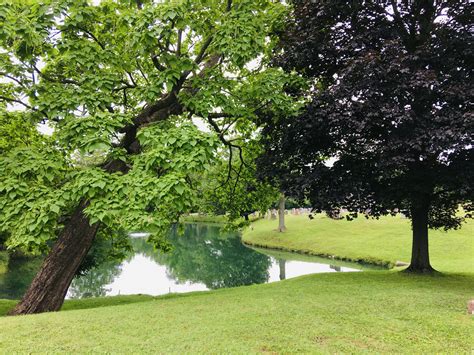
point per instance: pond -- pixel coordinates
(203, 258)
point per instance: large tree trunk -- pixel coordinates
(281, 214)
(48, 288)
(420, 258)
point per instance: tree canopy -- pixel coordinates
(390, 106)
(105, 77)
(122, 85)
(231, 187)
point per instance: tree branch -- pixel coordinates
(132, 79)
(213, 115)
(202, 52)
(124, 87)
(156, 63)
(401, 25)
(91, 35)
(9, 99)
(141, 72)
(225, 141)
(53, 80)
(6, 75)
(178, 45)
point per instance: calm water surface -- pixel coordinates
(203, 258)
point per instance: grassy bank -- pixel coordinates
(370, 311)
(378, 311)
(383, 241)
(69, 305)
(210, 219)
(195, 218)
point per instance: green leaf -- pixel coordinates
(179, 189)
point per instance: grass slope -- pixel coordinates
(371, 311)
(381, 241)
(377, 311)
(208, 219)
(6, 305)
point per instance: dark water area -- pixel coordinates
(203, 258)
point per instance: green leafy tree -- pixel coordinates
(17, 129)
(231, 187)
(120, 82)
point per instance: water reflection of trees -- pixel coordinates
(202, 253)
(94, 282)
(282, 268)
(20, 271)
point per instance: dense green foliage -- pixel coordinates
(16, 129)
(122, 85)
(40, 187)
(231, 187)
(18, 273)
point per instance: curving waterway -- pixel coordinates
(203, 257)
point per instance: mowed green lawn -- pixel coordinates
(340, 312)
(382, 241)
(370, 311)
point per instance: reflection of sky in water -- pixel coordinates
(142, 275)
(299, 268)
(202, 257)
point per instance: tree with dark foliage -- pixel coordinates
(391, 103)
